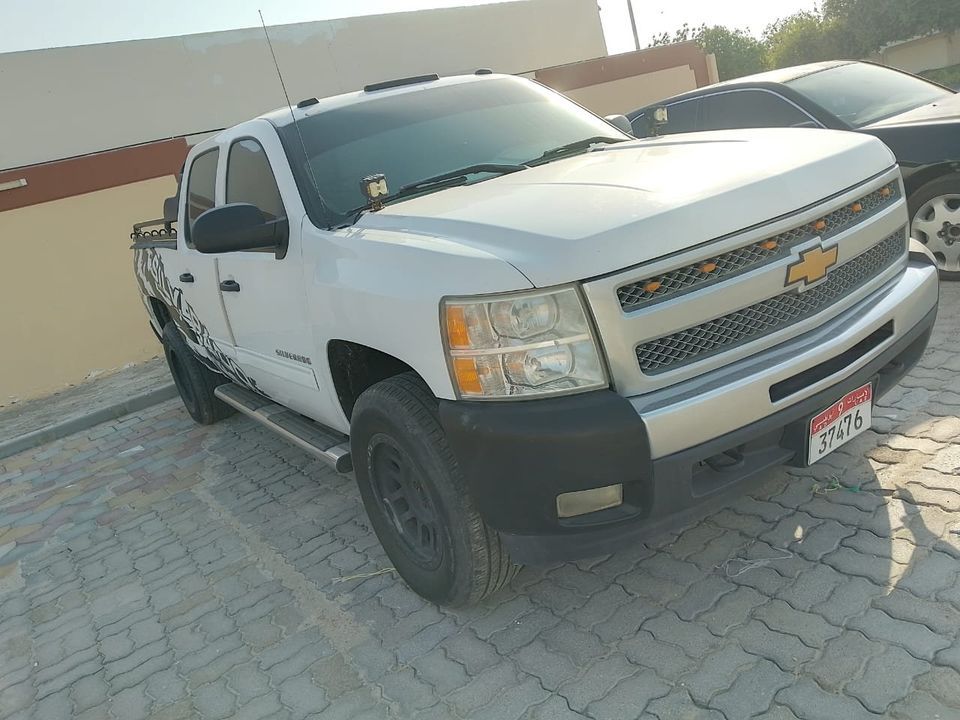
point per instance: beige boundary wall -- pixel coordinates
(70, 306)
(925, 53)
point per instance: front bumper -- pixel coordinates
(517, 457)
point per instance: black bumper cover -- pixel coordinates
(517, 457)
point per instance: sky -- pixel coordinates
(32, 24)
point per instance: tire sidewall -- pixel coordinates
(449, 583)
(178, 359)
(194, 381)
(944, 185)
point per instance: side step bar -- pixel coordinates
(322, 442)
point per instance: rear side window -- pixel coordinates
(250, 179)
(681, 118)
(201, 188)
(749, 109)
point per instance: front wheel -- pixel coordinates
(417, 499)
(935, 221)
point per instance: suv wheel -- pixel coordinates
(935, 221)
(195, 381)
(417, 499)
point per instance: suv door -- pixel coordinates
(262, 294)
(195, 274)
(735, 109)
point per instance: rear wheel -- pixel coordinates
(935, 221)
(416, 497)
(195, 382)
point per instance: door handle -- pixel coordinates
(230, 286)
(186, 277)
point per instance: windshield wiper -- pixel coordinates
(574, 147)
(453, 178)
(439, 182)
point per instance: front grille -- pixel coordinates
(769, 316)
(651, 290)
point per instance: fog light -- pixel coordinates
(582, 502)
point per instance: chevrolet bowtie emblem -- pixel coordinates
(812, 265)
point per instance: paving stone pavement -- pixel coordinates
(153, 568)
(20, 418)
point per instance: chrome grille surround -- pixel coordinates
(768, 316)
(635, 295)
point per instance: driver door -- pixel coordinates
(263, 295)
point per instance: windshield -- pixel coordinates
(430, 131)
(860, 94)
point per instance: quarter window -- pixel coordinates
(250, 179)
(201, 188)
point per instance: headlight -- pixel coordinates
(531, 343)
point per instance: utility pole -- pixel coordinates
(633, 24)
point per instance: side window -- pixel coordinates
(748, 109)
(201, 188)
(250, 179)
(681, 118)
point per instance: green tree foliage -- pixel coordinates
(843, 29)
(868, 25)
(805, 37)
(738, 53)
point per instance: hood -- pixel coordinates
(609, 209)
(946, 109)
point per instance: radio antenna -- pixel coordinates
(293, 117)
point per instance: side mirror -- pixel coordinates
(238, 226)
(620, 122)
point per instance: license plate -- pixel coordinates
(840, 423)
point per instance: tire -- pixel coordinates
(935, 221)
(446, 552)
(195, 382)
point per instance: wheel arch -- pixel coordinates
(918, 179)
(354, 367)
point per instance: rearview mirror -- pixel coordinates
(620, 122)
(238, 226)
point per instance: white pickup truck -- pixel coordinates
(529, 335)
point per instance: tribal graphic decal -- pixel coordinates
(153, 282)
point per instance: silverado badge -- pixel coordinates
(812, 265)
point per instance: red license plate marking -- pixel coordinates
(840, 423)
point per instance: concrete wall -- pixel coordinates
(621, 83)
(64, 102)
(70, 302)
(927, 53)
(626, 94)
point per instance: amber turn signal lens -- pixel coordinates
(651, 286)
(468, 378)
(886, 191)
(820, 225)
(856, 207)
(708, 267)
(458, 335)
(769, 244)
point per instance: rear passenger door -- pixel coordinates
(750, 109)
(196, 274)
(263, 294)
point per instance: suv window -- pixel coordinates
(201, 188)
(250, 179)
(681, 118)
(748, 109)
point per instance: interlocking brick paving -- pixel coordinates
(153, 568)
